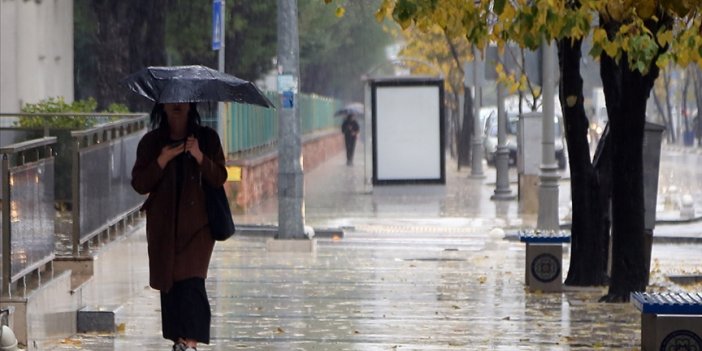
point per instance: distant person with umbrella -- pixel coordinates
(173, 162)
(350, 129)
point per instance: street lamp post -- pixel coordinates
(477, 148)
(548, 177)
(502, 189)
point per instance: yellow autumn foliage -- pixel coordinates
(528, 22)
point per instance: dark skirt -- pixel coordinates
(185, 311)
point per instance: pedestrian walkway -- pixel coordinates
(418, 268)
(335, 195)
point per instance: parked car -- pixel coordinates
(490, 140)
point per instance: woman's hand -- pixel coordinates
(168, 153)
(192, 146)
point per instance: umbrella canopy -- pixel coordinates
(193, 84)
(355, 109)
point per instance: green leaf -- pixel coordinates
(596, 50)
(58, 105)
(404, 11)
(499, 6)
(530, 41)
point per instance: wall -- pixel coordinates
(36, 51)
(259, 174)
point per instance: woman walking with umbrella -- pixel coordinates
(174, 161)
(169, 168)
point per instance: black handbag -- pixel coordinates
(217, 205)
(218, 212)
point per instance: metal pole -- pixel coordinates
(477, 161)
(6, 227)
(367, 138)
(75, 197)
(290, 177)
(220, 57)
(549, 177)
(502, 189)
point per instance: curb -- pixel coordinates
(680, 221)
(676, 239)
(255, 230)
(686, 279)
(681, 148)
(656, 239)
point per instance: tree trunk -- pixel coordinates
(626, 91)
(147, 42)
(112, 50)
(663, 114)
(131, 35)
(698, 98)
(673, 135)
(451, 119)
(686, 89)
(466, 133)
(588, 259)
(454, 109)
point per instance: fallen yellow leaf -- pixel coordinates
(73, 342)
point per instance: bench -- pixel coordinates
(669, 321)
(544, 253)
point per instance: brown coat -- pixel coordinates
(179, 244)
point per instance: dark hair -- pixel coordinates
(159, 119)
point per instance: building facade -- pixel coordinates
(36, 52)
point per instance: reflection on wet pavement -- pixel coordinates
(416, 270)
(371, 292)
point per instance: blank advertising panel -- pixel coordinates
(408, 131)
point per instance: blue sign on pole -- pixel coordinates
(217, 25)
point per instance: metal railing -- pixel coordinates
(28, 212)
(11, 130)
(317, 113)
(101, 177)
(252, 128)
(99, 162)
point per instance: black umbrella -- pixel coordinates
(193, 84)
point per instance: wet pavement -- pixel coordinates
(418, 268)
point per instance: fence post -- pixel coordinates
(75, 197)
(6, 226)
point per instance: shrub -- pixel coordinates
(61, 126)
(58, 105)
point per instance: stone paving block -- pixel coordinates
(97, 319)
(294, 245)
(413, 271)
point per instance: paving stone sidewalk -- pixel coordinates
(418, 268)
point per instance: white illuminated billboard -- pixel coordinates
(408, 130)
